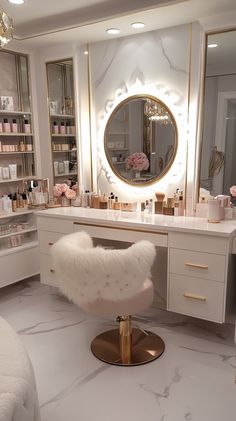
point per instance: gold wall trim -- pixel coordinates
(120, 228)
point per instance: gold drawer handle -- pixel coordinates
(50, 244)
(193, 265)
(194, 296)
(52, 270)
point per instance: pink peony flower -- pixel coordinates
(70, 194)
(233, 191)
(57, 190)
(63, 187)
(138, 161)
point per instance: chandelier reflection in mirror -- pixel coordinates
(6, 29)
(156, 112)
(141, 140)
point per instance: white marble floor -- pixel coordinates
(193, 379)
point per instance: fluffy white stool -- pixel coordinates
(108, 282)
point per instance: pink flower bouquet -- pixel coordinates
(137, 161)
(60, 189)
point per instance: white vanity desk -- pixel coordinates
(200, 263)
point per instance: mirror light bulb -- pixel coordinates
(16, 1)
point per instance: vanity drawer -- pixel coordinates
(197, 264)
(203, 243)
(121, 234)
(196, 297)
(47, 239)
(47, 272)
(55, 224)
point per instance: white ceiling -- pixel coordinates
(44, 22)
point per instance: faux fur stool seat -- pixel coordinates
(108, 282)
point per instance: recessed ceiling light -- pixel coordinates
(212, 45)
(86, 52)
(113, 31)
(137, 25)
(16, 1)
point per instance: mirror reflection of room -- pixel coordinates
(218, 170)
(140, 140)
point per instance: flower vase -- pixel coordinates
(65, 201)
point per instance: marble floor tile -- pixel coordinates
(193, 380)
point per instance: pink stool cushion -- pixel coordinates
(127, 306)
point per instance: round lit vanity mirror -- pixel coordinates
(141, 140)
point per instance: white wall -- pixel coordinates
(154, 63)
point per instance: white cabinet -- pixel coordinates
(19, 254)
(197, 276)
(49, 231)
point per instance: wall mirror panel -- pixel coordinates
(141, 140)
(218, 169)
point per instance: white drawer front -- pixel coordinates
(200, 265)
(47, 239)
(54, 224)
(204, 243)
(47, 272)
(196, 297)
(122, 234)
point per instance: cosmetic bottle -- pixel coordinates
(150, 206)
(27, 127)
(116, 204)
(214, 213)
(62, 128)
(14, 126)
(143, 206)
(55, 128)
(169, 208)
(14, 203)
(103, 202)
(181, 206)
(1, 127)
(68, 127)
(6, 126)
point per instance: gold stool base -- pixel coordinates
(146, 347)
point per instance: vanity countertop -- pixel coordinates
(143, 221)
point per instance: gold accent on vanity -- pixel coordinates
(194, 296)
(195, 265)
(126, 346)
(121, 228)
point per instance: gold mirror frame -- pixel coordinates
(198, 160)
(106, 134)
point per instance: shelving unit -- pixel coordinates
(18, 231)
(18, 236)
(62, 120)
(16, 124)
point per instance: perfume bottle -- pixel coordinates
(27, 126)
(14, 126)
(6, 126)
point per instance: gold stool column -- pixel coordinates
(125, 332)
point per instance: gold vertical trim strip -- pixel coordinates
(90, 114)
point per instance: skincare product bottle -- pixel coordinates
(13, 171)
(68, 127)
(56, 166)
(181, 206)
(6, 126)
(143, 206)
(27, 127)
(214, 213)
(62, 128)
(103, 202)
(150, 206)
(55, 128)
(61, 168)
(1, 127)
(66, 167)
(14, 126)
(169, 208)
(5, 173)
(117, 204)
(14, 203)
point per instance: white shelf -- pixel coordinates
(119, 163)
(69, 150)
(118, 149)
(29, 245)
(13, 214)
(15, 134)
(18, 179)
(63, 135)
(14, 153)
(64, 174)
(62, 116)
(5, 112)
(12, 234)
(118, 133)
